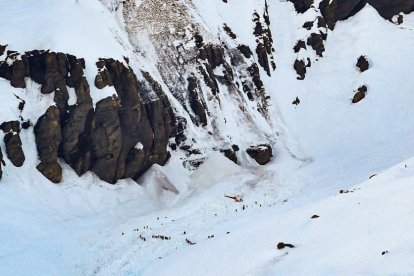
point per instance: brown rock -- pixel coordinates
(230, 154)
(300, 68)
(14, 149)
(360, 95)
(106, 139)
(316, 42)
(363, 64)
(302, 6)
(76, 142)
(48, 139)
(18, 73)
(261, 153)
(299, 45)
(52, 171)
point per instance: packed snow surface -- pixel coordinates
(84, 226)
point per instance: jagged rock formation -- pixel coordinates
(204, 73)
(208, 78)
(13, 143)
(264, 49)
(119, 138)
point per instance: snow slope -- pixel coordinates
(86, 227)
(349, 237)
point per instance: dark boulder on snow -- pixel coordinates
(103, 78)
(11, 126)
(308, 25)
(245, 50)
(335, 10)
(48, 139)
(360, 94)
(321, 22)
(316, 42)
(282, 245)
(299, 45)
(230, 154)
(300, 68)
(302, 6)
(261, 153)
(363, 64)
(13, 143)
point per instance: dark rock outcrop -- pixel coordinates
(195, 102)
(245, 50)
(264, 39)
(13, 143)
(106, 139)
(230, 33)
(2, 163)
(144, 119)
(302, 6)
(76, 141)
(300, 68)
(230, 154)
(363, 64)
(308, 25)
(360, 94)
(128, 132)
(335, 10)
(299, 45)
(48, 139)
(261, 153)
(18, 74)
(2, 49)
(316, 42)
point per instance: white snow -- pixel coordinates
(84, 226)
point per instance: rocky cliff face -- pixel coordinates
(120, 137)
(206, 91)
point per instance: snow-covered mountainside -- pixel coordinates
(194, 137)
